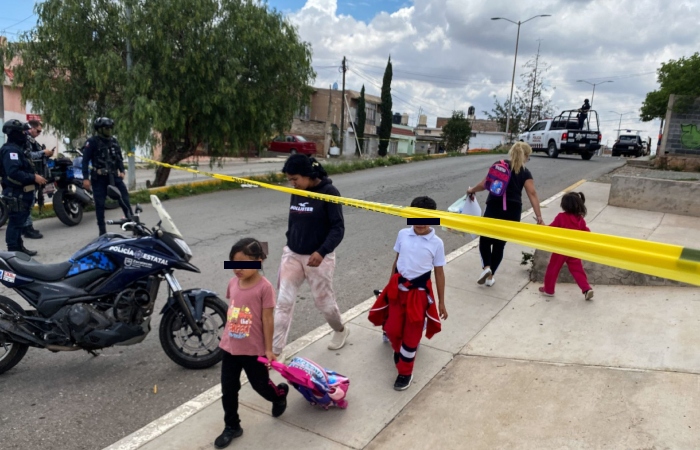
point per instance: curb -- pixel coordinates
(188, 409)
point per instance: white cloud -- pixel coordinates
(449, 54)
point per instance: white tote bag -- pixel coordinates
(465, 206)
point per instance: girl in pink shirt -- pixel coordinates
(247, 335)
(572, 218)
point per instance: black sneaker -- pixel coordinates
(227, 436)
(280, 405)
(403, 382)
(26, 251)
(31, 233)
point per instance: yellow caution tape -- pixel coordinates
(669, 261)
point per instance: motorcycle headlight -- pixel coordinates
(184, 247)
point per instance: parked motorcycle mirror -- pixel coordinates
(113, 193)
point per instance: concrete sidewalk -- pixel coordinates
(511, 369)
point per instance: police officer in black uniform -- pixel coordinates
(583, 113)
(104, 153)
(19, 181)
(38, 154)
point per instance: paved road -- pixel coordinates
(76, 401)
(236, 166)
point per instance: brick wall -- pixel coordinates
(312, 130)
(682, 128)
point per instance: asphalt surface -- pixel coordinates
(77, 401)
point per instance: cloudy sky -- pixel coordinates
(448, 54)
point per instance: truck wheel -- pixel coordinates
(586, 156)
(552, 149)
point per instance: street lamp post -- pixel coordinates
(515, 60)
(620, 122)
(594, 85)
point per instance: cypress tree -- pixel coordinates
(385, 126)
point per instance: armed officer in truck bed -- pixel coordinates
(105, 155)
(19, 181)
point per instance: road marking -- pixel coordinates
(175, 417)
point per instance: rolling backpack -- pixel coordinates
(497, 180)
(319, 386)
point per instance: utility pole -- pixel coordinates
(534, 84)
(329, 126)
(344, 68)
(129, 63)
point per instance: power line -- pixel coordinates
(420, 100)
(21, 21)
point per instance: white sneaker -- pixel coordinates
(484, 275)
(339, 337)
(490, 281)
(589, 294)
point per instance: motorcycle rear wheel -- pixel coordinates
(67, 208)
(11, 353)
(186, 349)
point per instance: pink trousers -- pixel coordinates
(556, 262)
(292, 273)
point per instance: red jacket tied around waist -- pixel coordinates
(415, 304)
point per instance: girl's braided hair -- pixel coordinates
(250, 247)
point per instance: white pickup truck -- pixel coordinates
(563, 135)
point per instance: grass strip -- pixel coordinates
(210, 186)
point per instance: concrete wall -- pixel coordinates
(598, 274)
(651, 194)
(682, 129)
(486, 140)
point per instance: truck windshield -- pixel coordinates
(300, 139)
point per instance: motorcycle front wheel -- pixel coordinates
(187, 349)
(67, 208)
(111, 203)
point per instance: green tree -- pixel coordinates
(456, 132)
(518, 113)
(680, 77)
(220, 74)
(385, 125)
(361, 119)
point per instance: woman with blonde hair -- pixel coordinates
(520, 177)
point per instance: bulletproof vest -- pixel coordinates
(106, 155)
(12, 147)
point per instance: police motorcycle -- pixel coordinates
(69, 197)
(105, 295)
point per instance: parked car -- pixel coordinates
(629, 145)
(562, 135)
(292, 144)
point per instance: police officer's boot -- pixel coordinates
(31, 233)
(27, 251)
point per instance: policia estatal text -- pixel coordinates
(105, 155)
(19, 181)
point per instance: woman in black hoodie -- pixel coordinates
(315, 229)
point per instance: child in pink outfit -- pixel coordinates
(572, 218)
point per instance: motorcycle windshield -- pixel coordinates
(166, 222)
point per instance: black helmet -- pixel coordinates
(12, 125)
(585, 101)
(103, 122)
